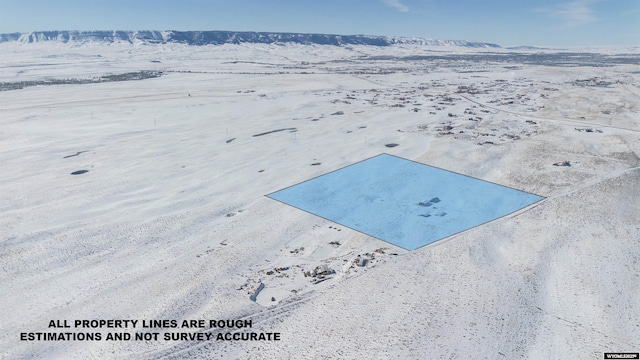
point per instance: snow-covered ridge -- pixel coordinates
(228, 37)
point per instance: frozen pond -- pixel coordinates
(403, 202)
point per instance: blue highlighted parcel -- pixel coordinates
(403, 202)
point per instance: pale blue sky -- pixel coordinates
(506, 22)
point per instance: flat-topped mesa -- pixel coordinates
(228, 37)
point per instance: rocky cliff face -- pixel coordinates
(227, 37)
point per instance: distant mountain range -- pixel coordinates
(227, 37)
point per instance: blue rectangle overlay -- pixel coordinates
(403, 202)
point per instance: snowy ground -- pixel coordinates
(171, 221)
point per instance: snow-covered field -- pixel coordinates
(170, 222)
